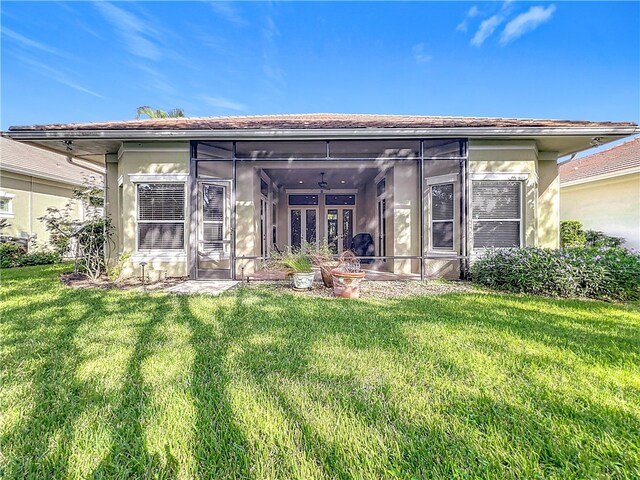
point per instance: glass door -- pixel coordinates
(303, 226)
(214, 230)
(340, 222)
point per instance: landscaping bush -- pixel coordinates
(572, 234)
(606, 273)
(38, 258)
(15, 255)
(600, 239)
(10, 253)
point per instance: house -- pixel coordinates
(32, 180)
(211, 197)
(603, 192)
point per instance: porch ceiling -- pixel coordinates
(308, 178)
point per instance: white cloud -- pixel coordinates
(224, 103)
(139, 37)
(229, 13)
(57, 75)
(486, 29)
(526, 22)
(419, 53)
(29, 44)
(464, 25)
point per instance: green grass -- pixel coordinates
(113, 384)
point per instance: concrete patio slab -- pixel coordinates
(208, 287)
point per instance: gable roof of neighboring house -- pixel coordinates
(24, 159)
(614, 161)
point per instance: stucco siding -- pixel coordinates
(33, 196)
(611, 206)
(135, 158)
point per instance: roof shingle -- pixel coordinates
(619, 158)
(27, 160)
(319, 121)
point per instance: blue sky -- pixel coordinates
(93, 61)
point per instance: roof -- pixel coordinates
(21, 158)
(609, 162)
(319, 121)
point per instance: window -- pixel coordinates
(380, 187)
(303, 199)
(6, 204)
(340, 200)
(442, 216)
(161, 216)
(497, 213)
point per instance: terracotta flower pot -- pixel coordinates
(345, 284)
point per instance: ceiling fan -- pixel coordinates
(322, 184)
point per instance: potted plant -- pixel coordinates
(297, 265)
(323, 258)
(347, 276)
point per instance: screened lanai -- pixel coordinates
(399, 204)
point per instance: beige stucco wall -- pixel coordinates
(32, 198)
(548, 208)
(157, 158)
(611, 206)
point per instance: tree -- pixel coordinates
(151, 113)
(86, 240)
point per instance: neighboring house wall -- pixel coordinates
(31, 198)
(610, 205)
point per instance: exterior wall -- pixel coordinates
(510, 157)
(32, 198)
(445, 267)
(164, 159)
(548, 211)
(159, 159)
(611, 206)
(406, 216)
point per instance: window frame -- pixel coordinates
(8, 213)
(450, 179)
(163, 181)
(522, 179)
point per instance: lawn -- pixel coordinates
(254, 384)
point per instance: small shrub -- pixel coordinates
(15, 255)
(606, 273)
(572, 234)
(38, 258)
(115, 272)
(10, 254)
(600, 239)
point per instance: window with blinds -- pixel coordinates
(497, 213)
(161, 216)
(442, 216)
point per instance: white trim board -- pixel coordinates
(158, 177)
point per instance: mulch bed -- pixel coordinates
(80, 280)
(372, 288)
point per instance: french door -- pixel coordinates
(303, 226)
(214, 230)
(340, 221)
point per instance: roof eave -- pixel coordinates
(335, 133)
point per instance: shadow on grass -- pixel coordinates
(271, 343)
